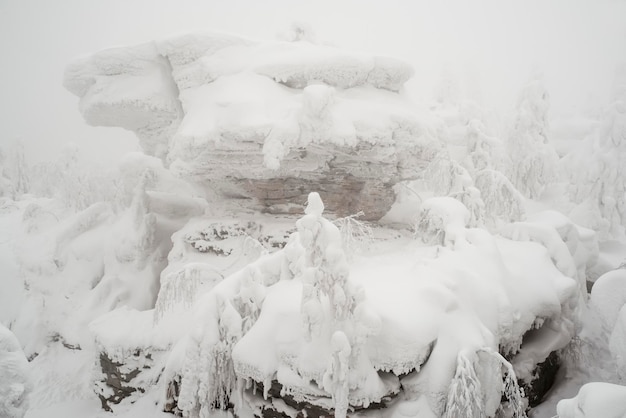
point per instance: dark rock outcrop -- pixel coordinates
(119, 379)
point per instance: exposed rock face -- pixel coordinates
(263, 121)
(119, 379)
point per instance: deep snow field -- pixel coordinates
(298, 238)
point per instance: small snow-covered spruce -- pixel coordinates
(223, 379)
(325, 262)
(326, 287)
(208, 375)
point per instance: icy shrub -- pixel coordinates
(444, 176)
(355, 234)
(441, 220)
(502, 200)
(75, 184)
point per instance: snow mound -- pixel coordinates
(15, 384)
(608, 300)
(597, 399)
(608, 295)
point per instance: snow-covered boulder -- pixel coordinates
(595, 400)
(608, 300)
(307, 328)
(14, 376)
(263, 122)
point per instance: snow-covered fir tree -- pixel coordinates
(533, 160)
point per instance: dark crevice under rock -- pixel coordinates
(543, 379)
(306, 409)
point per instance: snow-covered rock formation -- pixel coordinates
(306, 329)
(207, 274)
(15, 382)
(595, 400)
(261, 123)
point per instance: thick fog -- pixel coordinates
(489, 48)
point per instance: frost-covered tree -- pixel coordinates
(326, 287)
(533, 159)
(448, 90)
(325, 268)
(601, 187)
(502, 200)
(75, 184)
(484, 151)
(445, 177)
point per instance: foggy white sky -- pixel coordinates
(498, 44)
